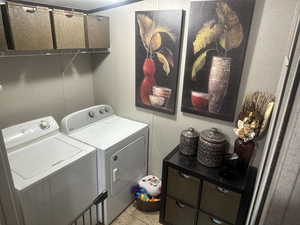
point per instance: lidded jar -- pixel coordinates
(211, 148)
(189, 142)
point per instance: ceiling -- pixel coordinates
(81, 4)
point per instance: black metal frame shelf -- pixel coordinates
(52, 52)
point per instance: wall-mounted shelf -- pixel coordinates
(25, 27)
(12, 53)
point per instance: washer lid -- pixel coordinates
(38, 158)
(36, 162)
(108, 131)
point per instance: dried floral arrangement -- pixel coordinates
(255, 115)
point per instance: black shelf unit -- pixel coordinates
(190, 167)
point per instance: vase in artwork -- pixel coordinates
(148, 82)
(245, 151)
(218, 82)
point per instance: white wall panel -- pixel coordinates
(115, 75)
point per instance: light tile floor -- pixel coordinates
(133, 216)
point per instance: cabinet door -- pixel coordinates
(30, 27)
(179, 214)
(220, 202)
(3, 45)
(183, 187)
(68, 29)
(97, 31)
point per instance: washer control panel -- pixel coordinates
(29, 131)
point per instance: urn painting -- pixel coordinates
(217, 41)
(158, 41)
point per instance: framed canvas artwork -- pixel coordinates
(217, 41)
(158, 42)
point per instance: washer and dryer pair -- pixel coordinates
(58, 175)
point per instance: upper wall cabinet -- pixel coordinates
(3, 45)
(28, 27)
(68, 29)
(97, 31)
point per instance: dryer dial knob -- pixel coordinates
(91, 114)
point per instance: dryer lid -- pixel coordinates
(107, 132)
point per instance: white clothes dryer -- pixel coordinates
(54, 175)
(122, 150)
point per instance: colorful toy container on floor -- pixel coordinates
(147, 194)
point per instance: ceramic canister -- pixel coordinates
(211, 148)
(189, 142)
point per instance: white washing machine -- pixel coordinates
(55, 176)
(122, 147)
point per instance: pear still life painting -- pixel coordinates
(217, 41)
(158, 41)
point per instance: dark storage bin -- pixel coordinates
(179, 214)
(204, 219)
(68, 29)
(27, 27)
(220, 202)
(183, 187)
(97, 31)
(3, 44)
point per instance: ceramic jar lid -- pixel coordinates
(190, 133)
(213, 136)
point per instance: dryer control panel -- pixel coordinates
(85, 117)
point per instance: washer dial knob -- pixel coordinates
(44, 125)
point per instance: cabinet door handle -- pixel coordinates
(222, 190)
(215, 221)
(184, 175)
(180, 205)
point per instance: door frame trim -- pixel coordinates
(285, 94)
